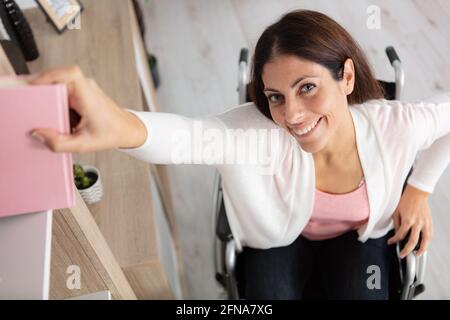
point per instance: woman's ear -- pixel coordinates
(348, 79)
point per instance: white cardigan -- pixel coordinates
(269, 205)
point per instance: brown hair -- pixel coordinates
(312, 36)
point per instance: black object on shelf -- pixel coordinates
(15, 57)
(18, 29)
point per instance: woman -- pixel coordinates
(328, 197)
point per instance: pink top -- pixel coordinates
(335, 214)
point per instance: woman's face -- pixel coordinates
(305, 100)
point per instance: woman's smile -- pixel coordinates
(307, 131)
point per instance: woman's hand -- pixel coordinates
(103, 124)
(413, 214)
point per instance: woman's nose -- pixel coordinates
(294, 113)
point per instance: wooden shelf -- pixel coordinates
(78, 241)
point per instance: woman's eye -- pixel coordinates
(306, 88)
(274, 98)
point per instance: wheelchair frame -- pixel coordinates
(411, 268)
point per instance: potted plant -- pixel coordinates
(88, 183)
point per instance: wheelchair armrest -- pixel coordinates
(223, 230)
(243, 77)
(222, 227)
(412, 271)
(399, 72)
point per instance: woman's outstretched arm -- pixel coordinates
(160, 138)
(103, 125)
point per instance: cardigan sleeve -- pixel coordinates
(223, 140)
(431, 127)
(176, 139)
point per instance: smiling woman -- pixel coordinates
(304, 71)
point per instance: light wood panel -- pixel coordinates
(78, 241)
(5, 67)
(140, 278)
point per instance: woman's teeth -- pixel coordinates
(304, 131)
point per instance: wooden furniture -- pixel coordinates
(124, 243)
(77, 241)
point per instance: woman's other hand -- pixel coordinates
(413, 215)
(103, 124)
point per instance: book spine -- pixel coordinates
(67, 157)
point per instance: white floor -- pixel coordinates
(198, 42)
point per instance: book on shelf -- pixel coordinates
(32, 177)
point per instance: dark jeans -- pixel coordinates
(338, 268)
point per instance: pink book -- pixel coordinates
(33, 178)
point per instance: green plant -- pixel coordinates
(151, 61)
(83, 180)
(153, 65)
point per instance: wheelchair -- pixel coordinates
(405, 284)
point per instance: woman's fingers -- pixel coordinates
(60, 75)
(400, 233)
(412, 241)
(425, 240)
(56, 141)
(74, 80)
(396, 218)
(99, 123)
